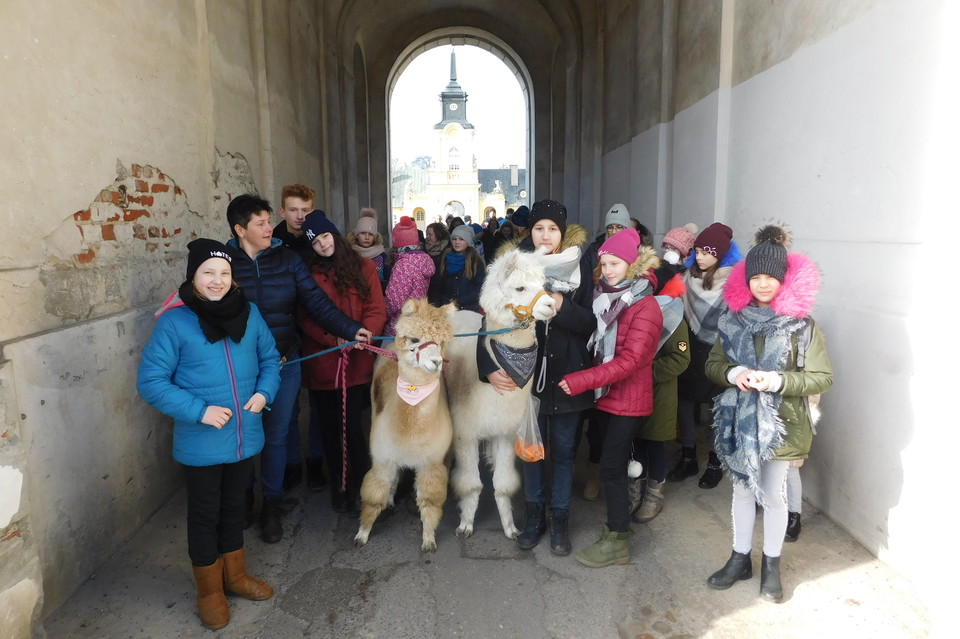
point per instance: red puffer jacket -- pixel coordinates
(320, 372)
(630, 373)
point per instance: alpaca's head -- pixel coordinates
(423, 332)
(513, 282)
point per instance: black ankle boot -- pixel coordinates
(534, 528)
(737, 567)
(713, 474)
(270, 528)
(686, 467)
(793, 527)
(559, 536)
(770, 588)
(316, 479)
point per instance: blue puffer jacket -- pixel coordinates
(276, 281)
(181, 374)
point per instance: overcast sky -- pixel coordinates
(495, 106)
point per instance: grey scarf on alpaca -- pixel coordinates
(747, 428)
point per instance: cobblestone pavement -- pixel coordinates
(484, 586)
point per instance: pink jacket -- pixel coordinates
(630, 373)
(409, 280)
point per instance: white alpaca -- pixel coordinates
(412, 430)
(512, 297)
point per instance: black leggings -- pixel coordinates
(653, 456)
(328, 404)
(618, 432)
(215, 505)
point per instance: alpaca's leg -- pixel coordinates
(431, 484)
(373, 494)
(506, 481)
(466, 482)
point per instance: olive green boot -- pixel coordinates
(611, 548)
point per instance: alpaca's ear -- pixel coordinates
(409, 307)
(509, 260)
(449, 310)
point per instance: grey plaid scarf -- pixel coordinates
(747, 428)
(608, 304)
(703, 307)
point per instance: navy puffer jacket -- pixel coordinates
(276, 281)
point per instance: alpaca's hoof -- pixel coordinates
(511, 532)
(464, 530)
(361, 539)
(429, 545)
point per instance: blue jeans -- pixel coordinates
(276, 425)
(314, 443)
(294, 452)
(559, 433)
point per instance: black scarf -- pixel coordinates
(227, 317)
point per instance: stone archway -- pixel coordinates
(488, 42)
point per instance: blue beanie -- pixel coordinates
(317, 223)
(520, 216)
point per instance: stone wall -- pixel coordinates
(127, 131)
(839, 121)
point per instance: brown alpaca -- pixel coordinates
(405, 435)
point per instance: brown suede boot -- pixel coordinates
(212, 604)
(237, 582)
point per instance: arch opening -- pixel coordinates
(487, 180)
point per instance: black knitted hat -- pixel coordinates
(769, 253)
(549, 210)
(201, 250)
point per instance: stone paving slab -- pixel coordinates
(485, 587)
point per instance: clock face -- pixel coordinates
(523, 193)
(453, 106)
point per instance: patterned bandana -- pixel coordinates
(518, 363)
(413, 394)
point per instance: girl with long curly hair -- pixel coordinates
(351, 282)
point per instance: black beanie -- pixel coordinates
(201, 250)
(769, 254)
(549, 210)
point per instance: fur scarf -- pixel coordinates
(747, 425)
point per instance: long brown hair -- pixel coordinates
(706, 276)
(471, 264)
(347, 267)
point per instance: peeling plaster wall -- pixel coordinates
(127, 129)
(841, 122)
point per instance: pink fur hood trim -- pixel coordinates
(796, 297)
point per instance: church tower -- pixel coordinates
(454, 187)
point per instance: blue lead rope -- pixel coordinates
(387, 338)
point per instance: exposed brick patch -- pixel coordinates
(82, 216)
(146, 200)
(129, 215)
(153, 231)
(159, 188)
(142, 186)
(135, 170)
(15, 533)
(86, 256)
(108, 233)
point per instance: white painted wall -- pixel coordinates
(852, 142)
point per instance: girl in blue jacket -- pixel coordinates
(212, 364)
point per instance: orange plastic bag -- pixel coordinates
(529, 444)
